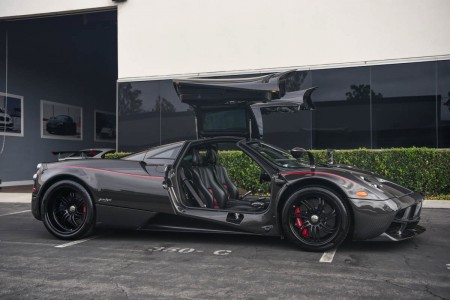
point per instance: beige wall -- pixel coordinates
(168, 37)
(22, 8)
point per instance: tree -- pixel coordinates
(361, 92)
(129, 102)
(294, 80)
(162, 104)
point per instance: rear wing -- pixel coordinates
(75, 153)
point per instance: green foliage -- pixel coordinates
(242, 170)
(425, 170)
(116, 155)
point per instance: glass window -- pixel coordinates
(289, 130)
(225, 119)
(170, 154)
(404, 105)
(139, 116)
(177, 118)
(151, 153)
(443, 103)
(276, 155)
(342, 116)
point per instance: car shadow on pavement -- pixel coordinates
(237, 240)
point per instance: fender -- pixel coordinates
(349, 187)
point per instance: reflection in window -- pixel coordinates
(177, 118)
(289, 130)
(139, 123)
(443, 103)
(375, 107)
(342, 116)
(405, 115)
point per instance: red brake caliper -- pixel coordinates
(84, 210)
(299, 222)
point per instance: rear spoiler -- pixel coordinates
(82, 154)
(64, 152)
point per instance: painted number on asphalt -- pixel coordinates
(222, 252)
(187, 250)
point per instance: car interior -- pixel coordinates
(207, 184)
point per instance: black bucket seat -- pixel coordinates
(233, 201)
(204, 183)
(222, 175)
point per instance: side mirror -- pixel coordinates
(299, 153)
(330, 156)
(264, 177)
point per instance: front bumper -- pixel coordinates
(35, 209)
(394, 219)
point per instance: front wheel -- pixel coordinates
(67, 210)
(315, 218)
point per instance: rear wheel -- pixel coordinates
(315, 218)
(68, 210)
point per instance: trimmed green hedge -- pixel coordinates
(425, 170)
(116, 155)
(243, 170)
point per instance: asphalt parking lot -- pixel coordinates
(143, 265)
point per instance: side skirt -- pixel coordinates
(121, 217)
(165, 222)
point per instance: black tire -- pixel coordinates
(68, 211)
(315, 218)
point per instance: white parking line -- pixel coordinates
(448, 266)
(74, 242)
(15, 213)
(328, 256)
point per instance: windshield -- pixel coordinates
(278, 156)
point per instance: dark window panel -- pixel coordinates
(289, 130)
(443, 103)
(139, 116)
(177, 118)
(404, 105)
(342, 116)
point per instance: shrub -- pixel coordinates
(116, 155)
(426, 170)
(243, 170)
(421, 169)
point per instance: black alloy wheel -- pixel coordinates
(316, 219)
(68, 211)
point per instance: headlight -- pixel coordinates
(39, 166)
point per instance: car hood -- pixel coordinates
(383, 184)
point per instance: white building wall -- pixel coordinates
(169, 37)
(26, 8)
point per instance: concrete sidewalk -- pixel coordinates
(26, 198)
